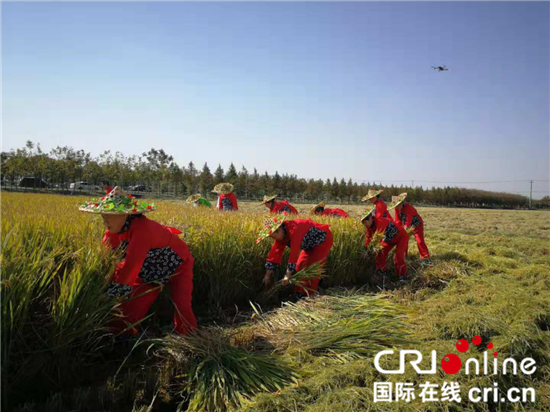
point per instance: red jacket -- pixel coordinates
(108, 190)
(381, 210)
(283, 206)
(392, 231)
(229, 196)
(335, 212)
(408, 216)
(295, 232)
(142, 236)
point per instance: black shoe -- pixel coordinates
(299, 296)
(404, 278)
(425, 262)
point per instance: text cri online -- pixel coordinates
(451, 391)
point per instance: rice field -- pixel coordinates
(490, 277)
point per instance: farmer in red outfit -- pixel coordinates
(394, 236)
(276, 208)
(320, 210)
(226, 198)
(107, 187)
(154, 256)
(380, 208)
(407, 216)
(309, 242)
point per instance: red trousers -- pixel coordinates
(400, 252)
(318, 253)
(144, 294)
(422, 248)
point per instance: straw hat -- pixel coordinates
(366, 213)
(268, 199)
(223, 188)
(372, 193)
(193, 198)
(397, 200)
(313, 209)
(117, 203)
(270, 226)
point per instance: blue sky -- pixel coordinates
(321, 90)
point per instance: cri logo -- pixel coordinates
(450, 363)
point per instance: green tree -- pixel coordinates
(231, 175)
(159, 163)
(191, 178)
(276, 182)
(206, 180)
(243, 183)
(218, 175)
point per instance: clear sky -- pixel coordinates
(320, 90)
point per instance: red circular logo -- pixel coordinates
(462, 345)
(451, 364)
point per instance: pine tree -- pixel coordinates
(190, 178)
(276, 182)
(327, 189)
(206, 180)
(243, 183)
(335, 190)
(343, 190)
(218, 175)
(255, 183)
(231, 175)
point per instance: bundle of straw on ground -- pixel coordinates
(225, 368)
(214, 375)
(342, 324)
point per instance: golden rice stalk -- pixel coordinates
(308, 273)
(375, 245)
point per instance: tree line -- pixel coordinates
(158, 171)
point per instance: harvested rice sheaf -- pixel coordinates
(217, 375)
(339, 324)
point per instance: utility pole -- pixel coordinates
(531, 194)
(412, 184)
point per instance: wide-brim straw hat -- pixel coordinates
(313, 209)
(268, 199)
(117, 203)
(193, 198)
(270, 226)
(372, 193)
(366, 213)
(397, 200)
(223, 188)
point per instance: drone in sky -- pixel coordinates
(440, 68)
